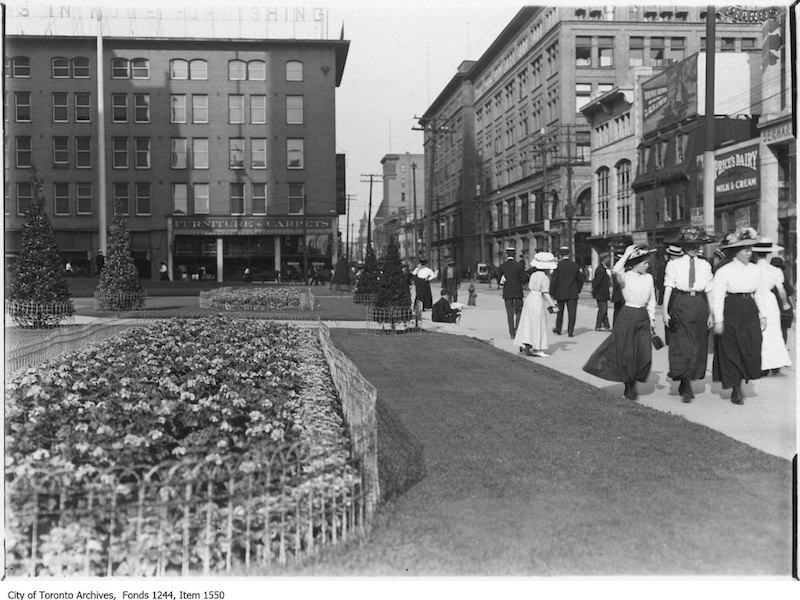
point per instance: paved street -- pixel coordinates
(767, 420)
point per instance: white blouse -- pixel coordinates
(676, 275)
(734, 277)
(637, 289)
(425, 273)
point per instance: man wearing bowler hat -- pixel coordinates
(565, 284)
(512, 274)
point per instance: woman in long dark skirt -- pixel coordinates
(626, 355)
(737, 321)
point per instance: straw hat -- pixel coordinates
(690, 235)
(765, 246)
(544, 261)
(674, 250)
(638, 255)
(741, 238)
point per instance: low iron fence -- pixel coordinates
(113, 301)
(393, 319)
(30, 314)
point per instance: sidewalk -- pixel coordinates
(767, 420)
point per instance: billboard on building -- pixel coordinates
(670, 96)
(736, 173)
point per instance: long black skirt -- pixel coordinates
(626, 354)
(737, 352)
(422, 290)
(688, 342)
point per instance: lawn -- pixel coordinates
(531, 472)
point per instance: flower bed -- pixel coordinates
(206, 403)
(255, 298)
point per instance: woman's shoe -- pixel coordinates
(526, 350)
(540, 354)
(632, 393)
(736, 394)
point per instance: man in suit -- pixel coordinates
(601, 292)
(565, 284)
(512, 273)
(451, 279)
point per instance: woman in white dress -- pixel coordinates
(532, 329)
(774, 354)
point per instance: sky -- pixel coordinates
(402, 54)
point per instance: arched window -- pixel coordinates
(624, 195)
(237, 70)
(21, 66)
(120, 68)
(80, 67)
(140, 68)
(294, 70)
(602, 176)
(60, 67)
(178, 69)
(198, 69)
(257, 70)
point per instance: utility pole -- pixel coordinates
(569, 208)
(433, 129)
(546, 195)
(708, 151)
(414, 218)
(305, 241)
(369, 209)
(347, 230)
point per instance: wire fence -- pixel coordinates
(30, 314)
(393, 319)
(118, 301)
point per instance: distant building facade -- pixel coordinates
(403, 191)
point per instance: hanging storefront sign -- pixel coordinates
(739, 14)
(208, 225)
(736, 172)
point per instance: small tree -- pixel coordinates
(393, 300)
(341, 275)
(119, 287)
(39, 291)
(367, 283)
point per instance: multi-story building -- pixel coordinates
(221, 152)
(403, 194)
(507, 143)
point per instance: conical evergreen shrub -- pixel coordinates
(393, 300)
(119, 287)
(341, 275)
(39, 292)
(367, 284)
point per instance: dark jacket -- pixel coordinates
(566, 281)
(515, 275)
(601, 283)
(442, 313)
(450, 282)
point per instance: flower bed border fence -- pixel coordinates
(393, 319)
(31, 314)
(115, 301)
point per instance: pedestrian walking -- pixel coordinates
(531, 336)
(617, 299)
(423, 275)
(443, 312)
(68, 269)
(451, 280)
(164, 272)
(774, 354)
(99, 261)
(601, 292)
(687, 312)
(565, 285)
(787, 314)
(627, 354)
(737, 321)
(472, 294)
(512, 274)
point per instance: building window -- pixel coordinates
(728, 45)
(80, 67)
(142, 153)
(583, 93)
(237, 70)
(603, 199)
(200, 153)
(677, 50)
(178, 153)
(24, 197)
(294, 110)
(83, 152)
(657, 52)
(141, 108)
(636, 52)
(512, 212)
(605, 49)
(680, 147)
(499, 213)
(583, 51)
(60, 67)
(21, 66)
(258, 153)
(60, 151)
(294, 153)
(119, 108)
(142, 198)
(257, 70)
(680, 207)
(667, 209)
(177, 108)
(235, 108)
(237, 198)
(121, 200)
(749, 44)
(60, 107)
(624, 195)
(294, 70)
(85, 197)
(120, 68)
(119, 153)
(61, 198)
(199, 108)
(200, 191)
(198, 70)
(23, 151)
(583, 145)
(258, 110)
(236, 153)
(83, 107)
(296, 198)
(140, 68)
(22, 107)
(180, 198)
(178, 69)
(259, 198)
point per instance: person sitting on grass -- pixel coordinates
(443, 312)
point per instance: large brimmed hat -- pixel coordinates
(674, 250)
(691, 234)
(766, 246)
(544, 261)
(741, 238)
(639, 254)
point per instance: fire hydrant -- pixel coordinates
(472, 294)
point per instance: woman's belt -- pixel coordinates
(690, 292)
(742, 294)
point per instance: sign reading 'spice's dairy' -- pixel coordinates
(736, 172)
